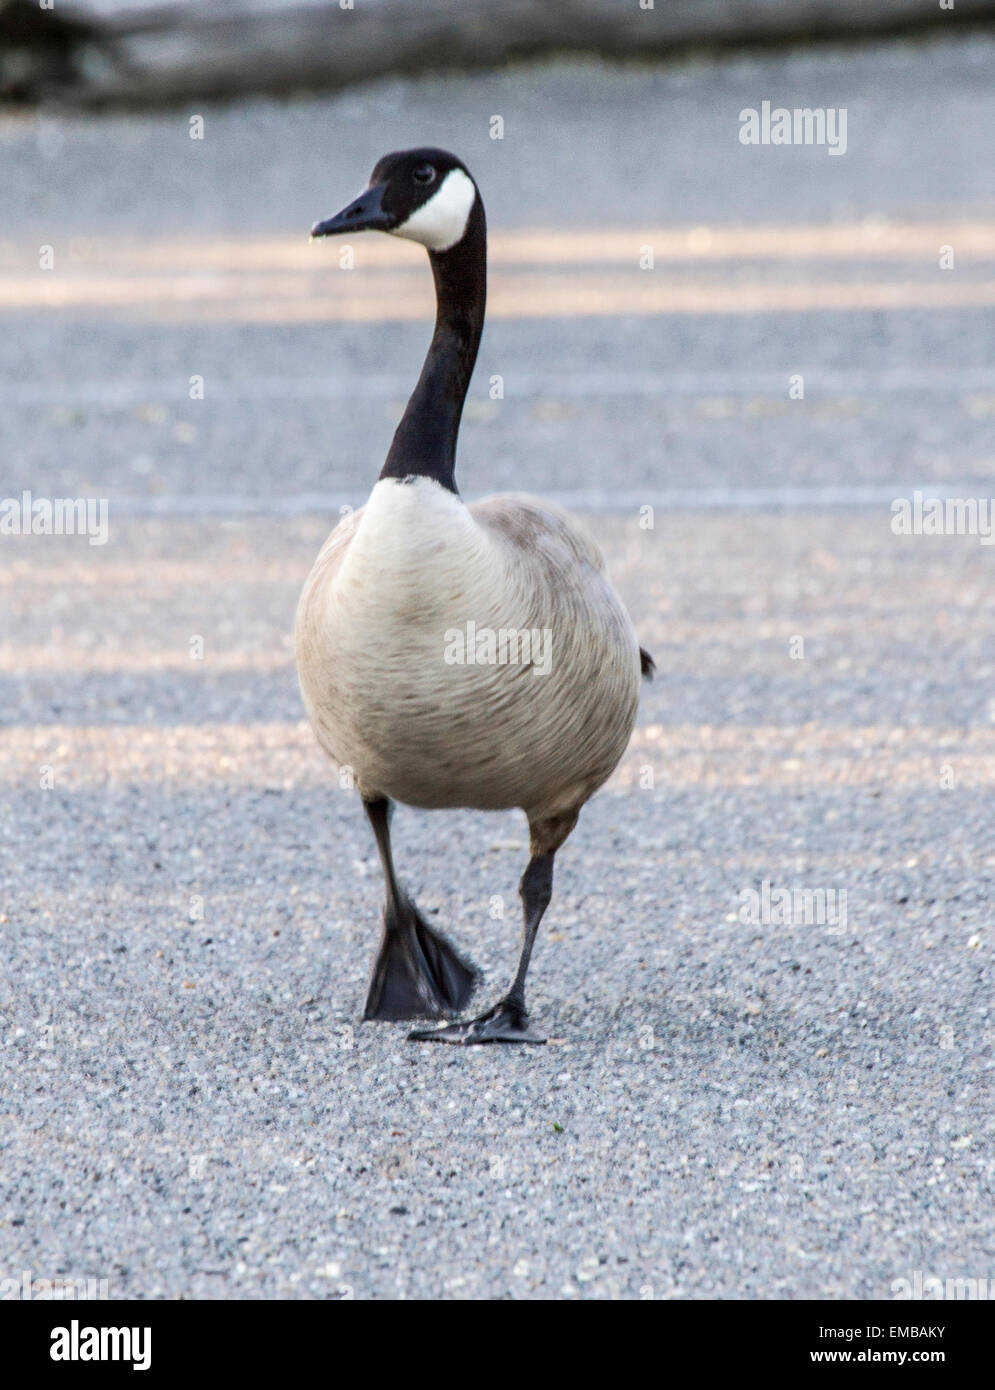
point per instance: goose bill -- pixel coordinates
(364, 214)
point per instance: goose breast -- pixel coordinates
(467, 656)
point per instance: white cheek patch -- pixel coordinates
(439, 223)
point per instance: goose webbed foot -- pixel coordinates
(418, 974)
(506, 1022)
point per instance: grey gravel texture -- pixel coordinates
(189, 1105)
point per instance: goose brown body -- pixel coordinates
(416, 564)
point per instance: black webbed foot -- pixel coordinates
(506, 1022)
(418, 974)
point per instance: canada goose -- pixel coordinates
(400, 625)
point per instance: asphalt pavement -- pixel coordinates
(731, 1105)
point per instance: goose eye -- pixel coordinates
(423, 174)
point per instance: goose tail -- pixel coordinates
(647, 664)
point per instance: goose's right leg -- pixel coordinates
(417, 973)
(508, 1021)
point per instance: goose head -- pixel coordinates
(425, 195)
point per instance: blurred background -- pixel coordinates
(730, 359)
(655, 282)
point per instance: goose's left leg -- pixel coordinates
(508, 1021)
(417, 974)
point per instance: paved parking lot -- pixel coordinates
(731, 1105)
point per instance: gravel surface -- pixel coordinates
(730, 1108)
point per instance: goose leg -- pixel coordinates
(507, 1021)
(417, 973)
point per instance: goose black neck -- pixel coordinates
(425, 441)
